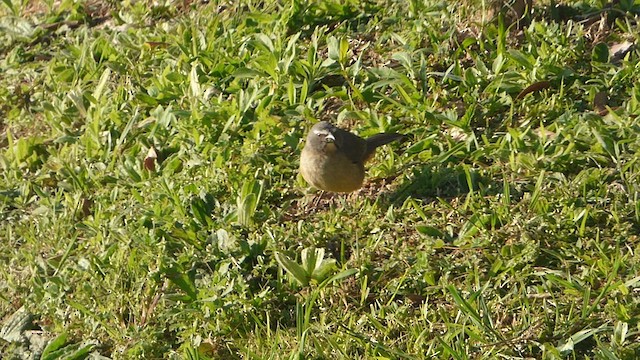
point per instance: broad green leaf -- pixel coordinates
(177, 275)
(293, 269)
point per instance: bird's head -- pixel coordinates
(323, 136)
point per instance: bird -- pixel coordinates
(333, 159)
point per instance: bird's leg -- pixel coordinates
(318, 199)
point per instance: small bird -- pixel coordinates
(333, 159)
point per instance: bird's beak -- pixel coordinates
(330, 138)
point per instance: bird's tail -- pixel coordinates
(382, 139)
(378, 140)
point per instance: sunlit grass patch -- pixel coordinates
(151, 207)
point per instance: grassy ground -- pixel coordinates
(150, 204)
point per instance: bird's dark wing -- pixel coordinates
(352, 146)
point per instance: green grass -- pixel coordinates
(506, 227)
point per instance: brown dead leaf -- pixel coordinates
(540, 85)
(156, 44)
(513, 11)
(605, 111)
(545, 133)
(600, 101)
(150, 160)
(619, 50)
(87, 205)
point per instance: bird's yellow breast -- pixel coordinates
(331, 170)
